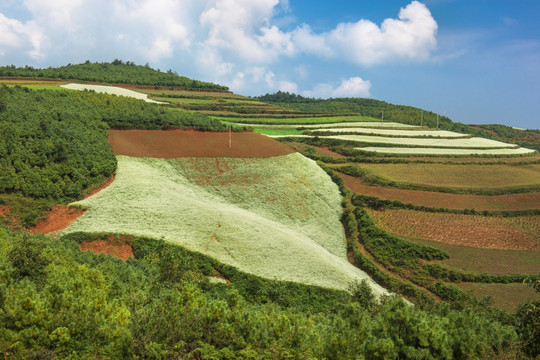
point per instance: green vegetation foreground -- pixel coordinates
(58, 302)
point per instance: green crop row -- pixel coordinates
(374, 202)
(452, 275)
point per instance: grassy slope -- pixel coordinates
(200, 219)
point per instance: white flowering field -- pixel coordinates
(400, 133)
(276, 217)
(471, 143)
(111, 90)
(435, 151)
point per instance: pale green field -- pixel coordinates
(276, 217)
(438, 151)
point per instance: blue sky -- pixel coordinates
(477, 61)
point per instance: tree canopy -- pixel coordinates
(117, 72)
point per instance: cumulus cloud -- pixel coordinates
(352, 87)
(227, 41)
(240, 30)
(17, 36)
(411, 36)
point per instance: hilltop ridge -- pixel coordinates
(116, 72)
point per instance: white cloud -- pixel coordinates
(254, 76)
(17, 36)
(288, 86)
(242, 28)
(239, 31)
(352, 87)
(412, 36)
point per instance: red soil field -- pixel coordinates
(61, 215)
(119, 247)
(4, 210)
(507, 202)
(188, 143)
(58, 219)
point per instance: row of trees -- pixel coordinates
(58, 302)
(117, 72)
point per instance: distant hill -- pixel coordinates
(367, 107)
(402, 114)
(117, 72)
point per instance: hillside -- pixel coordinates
(215, 244)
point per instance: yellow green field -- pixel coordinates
(459, 176)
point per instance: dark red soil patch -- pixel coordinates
(507, 202)
(4, 210)
(188, 143)
(117, 246)
(58, 219)
(61, 216)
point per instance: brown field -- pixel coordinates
(504, 296)
(117, 246)
(459, 176)
(509, 202)
(489, 232)
(188, 143)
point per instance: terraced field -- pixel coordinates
(504, 296)
(490, 232)
(469, 143)
(459, 176)
(508, 202)
(451, 152)
(409, 133)
(213, 199)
